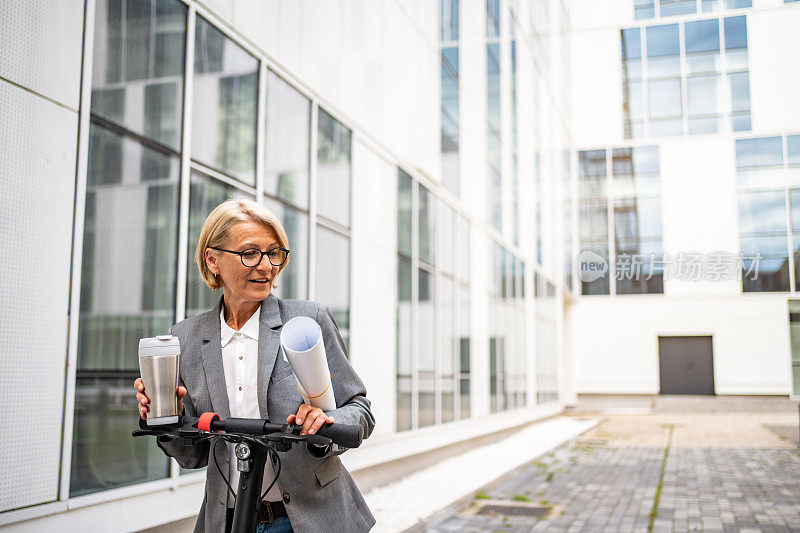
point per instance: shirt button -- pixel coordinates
(240, 388)
(241, 357)
(286, 497)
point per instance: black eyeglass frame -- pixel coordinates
(241, 255)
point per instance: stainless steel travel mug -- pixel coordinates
(159, 361)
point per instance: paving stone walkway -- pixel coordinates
(668, 472)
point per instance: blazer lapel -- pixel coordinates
(211, 351)
(269, 340)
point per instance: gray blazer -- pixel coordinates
(318, 492)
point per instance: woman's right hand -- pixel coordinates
(143, 399)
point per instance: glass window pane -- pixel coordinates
(333, 275)
(426, 226)
(293, 279)
(225, 104)
(635, 101)
(205, 194)
(665, 98)
(763, 152)
(448, 399)
(333, 170)
(671, 8)
(702, 46)
(637, 218)
(703, 62)
(640, 273)
(493, 91)
(664, 66)
(450, 128)
(645, 160)
(795, 198)
(462, 249)
(492, 18)
(403, 345)
(793, 146)
(403, 280)
(403, 403)
(704, 124)
(740, 91)
(741, 122)
(127, 292)
(761, 212)
(593, 220)
(703, 95)
(709, 5)
(427, 400)
(137, 76)
(592, 173)
(662, 40)
(663, 51)
(464, 329)
(735, 32)
(765, 263)
(666, 127)
(288, 142)
(447, 326)
(702, 36)
(644, 9)
(738, 4)
(426, 322)
(497, 268)
(765, 274)
(590, 283)
(446, 238)
(631, 44)
(104, 455)
(448, 16)
(129, 255)
(404, 213)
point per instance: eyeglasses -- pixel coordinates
(252, 257)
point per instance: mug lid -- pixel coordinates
(159, 345)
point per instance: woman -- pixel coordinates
(230, 365)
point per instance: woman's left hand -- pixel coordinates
(311, 417)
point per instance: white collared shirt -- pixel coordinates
(240, 364)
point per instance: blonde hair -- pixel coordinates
(217, 228)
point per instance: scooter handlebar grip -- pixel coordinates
(347, 435)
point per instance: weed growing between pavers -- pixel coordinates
(657, 497)
(481, 495)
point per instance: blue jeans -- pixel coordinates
(279, 525)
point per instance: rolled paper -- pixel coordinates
(302, 343)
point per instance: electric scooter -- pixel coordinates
(254, 439)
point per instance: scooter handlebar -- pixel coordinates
(346, 435)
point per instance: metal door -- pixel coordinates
(686, 365)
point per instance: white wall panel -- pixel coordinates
(698, 207)
(374, 281)
(377, 63)
(472, 110)
(596, 87)
(41, 47)
(615, 341)
(774, 51)
(37, 170)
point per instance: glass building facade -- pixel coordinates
(686, 78)
(144, 154)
